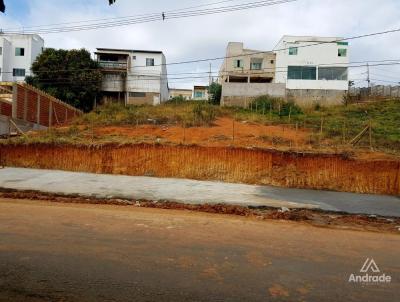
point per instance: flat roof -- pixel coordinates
(128, 50)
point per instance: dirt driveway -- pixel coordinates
(70, 252)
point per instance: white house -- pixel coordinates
(313, 68)
(133, 77)
(17, 53)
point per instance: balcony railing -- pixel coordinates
(113, 65)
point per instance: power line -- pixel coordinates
(158, 77)
(115, 18)
(184, 13)
(385, 62)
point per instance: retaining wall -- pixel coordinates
(252, 166)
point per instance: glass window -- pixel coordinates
(293, 51)
(332, 73)
(19, 52)
(1, 51)
(256, 63)
(18, 72)
(256, 66)
(342, 52)
(238, 63)
(302, 73)
(149, 62)
(199, 94)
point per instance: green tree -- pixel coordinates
(215, 92)
(69, 75)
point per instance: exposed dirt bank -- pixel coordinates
(312, 217)
(251, 166)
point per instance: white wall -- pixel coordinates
(323, 54)
(33, 45)
(142, 78)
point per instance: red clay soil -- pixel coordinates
(313, 217)
(220, 134)
(230, 164)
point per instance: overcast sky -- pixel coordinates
(207, 36)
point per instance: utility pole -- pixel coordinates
(368, 76)
(210, 77)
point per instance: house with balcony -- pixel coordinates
(133, 77)
(246, 74)
(313, 69)
(17, 53)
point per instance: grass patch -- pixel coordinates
(188, 114)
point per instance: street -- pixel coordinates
(70, 252)
(193, 191)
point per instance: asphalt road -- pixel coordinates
(195, 192)
(65, 252)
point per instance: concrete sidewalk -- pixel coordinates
(193, 192)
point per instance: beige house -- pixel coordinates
(187, 94)
(246, 74)
(247, 66)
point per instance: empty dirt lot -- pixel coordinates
(68, 252)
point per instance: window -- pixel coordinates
(272, 61)
(342, 52)
(199, 94)
(149, 62)
(256, 64)
(19, 52)
(18, 72)
(332, 73)
(293, 51)
(302, 73)
(238, 63)
(1, 51)
(343, 43)
(133, 57)
(137, 94)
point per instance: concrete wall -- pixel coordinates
(4, 125)
(240, 94)
(151, 98)
(310, 97)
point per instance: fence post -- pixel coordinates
(370, 135)
(38, 110)
(15, 100)
(25, 103)
(184, 133)
(50, 113)
(233, 131)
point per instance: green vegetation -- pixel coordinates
(215, 92)
(328, 126)
(336, 124)
(69, 75)
(176, 111)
